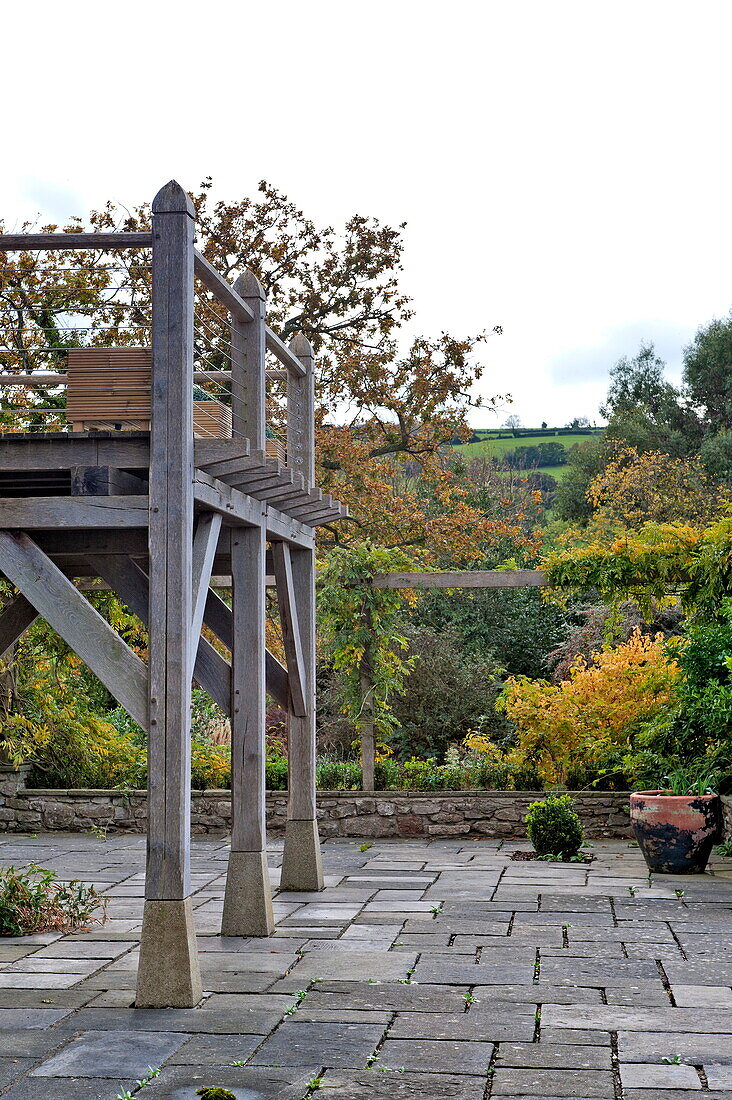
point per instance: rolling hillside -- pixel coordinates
(494, 443)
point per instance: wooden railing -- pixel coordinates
(242, 386)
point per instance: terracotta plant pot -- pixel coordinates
(676, 832)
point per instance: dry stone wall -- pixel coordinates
(340, 813)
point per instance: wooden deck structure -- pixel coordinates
(154, 515)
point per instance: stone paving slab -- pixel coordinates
(662, 1077)
(535, 1083)
(380, 1085)
(435, 970)
(111, 1054)
(302, 1044)
(545, 1055)
(437, 1055)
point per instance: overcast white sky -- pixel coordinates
(564, 167)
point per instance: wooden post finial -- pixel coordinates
(172, 199)
(301, 346)
(247, 285)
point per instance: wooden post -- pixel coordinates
(301, 414)
(248, 897)
(168, 973)
(302, 867)
(248, 382)
(368, 743)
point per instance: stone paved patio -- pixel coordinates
(423, 970)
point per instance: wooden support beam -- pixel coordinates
(55, 451)
(290, 628)
(32, 513)
(171, 537)
(248, 897)
(494, 578)
(35, 242)
(302, 866)
(168, 973)
(205, 542)
(14, 621)
(80, 625)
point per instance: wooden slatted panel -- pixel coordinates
(111, 386)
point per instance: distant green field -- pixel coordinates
(494, 444)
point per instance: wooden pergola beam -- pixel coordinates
(493, 578)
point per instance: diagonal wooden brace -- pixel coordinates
(290, 627)
(14, 621)
(205, 542)
(125, 577)
(76, 621)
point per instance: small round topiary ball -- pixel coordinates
(554, 828)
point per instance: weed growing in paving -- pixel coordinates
(680, 894)
(672, 1060)
(469, 998)
(150, 1076)
(301, 995)
(36, 900)
(215, 1092)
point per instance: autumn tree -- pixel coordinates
(653, 487)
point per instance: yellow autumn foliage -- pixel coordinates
(579, 726)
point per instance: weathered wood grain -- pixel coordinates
(130, 582)
(236, 507)
(171, 537)
(31, 513)
(285, 355)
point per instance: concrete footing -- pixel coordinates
(248, 897)
(168, 974)
(302, 863)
